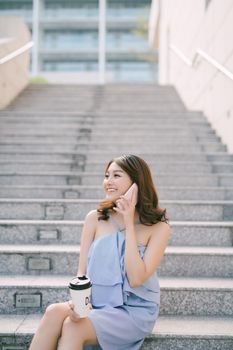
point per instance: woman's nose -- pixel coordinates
(109, 180)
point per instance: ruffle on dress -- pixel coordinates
(110, 285)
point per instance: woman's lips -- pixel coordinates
(111, 190)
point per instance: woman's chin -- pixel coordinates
(111, 197)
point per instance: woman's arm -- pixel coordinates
(88, 234)
(138, 270)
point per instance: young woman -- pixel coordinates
(122, 245)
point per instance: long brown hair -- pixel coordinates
(148, 203)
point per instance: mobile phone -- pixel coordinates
(129, 193)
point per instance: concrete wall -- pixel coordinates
(14, 74)
(190, 25)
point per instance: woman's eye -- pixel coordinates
(106, 176)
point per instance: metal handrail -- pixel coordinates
(17, 52)
(201, 53)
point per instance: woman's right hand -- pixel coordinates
(73, 315)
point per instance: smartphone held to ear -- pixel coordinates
(129, 194)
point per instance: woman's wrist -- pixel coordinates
(129, 224)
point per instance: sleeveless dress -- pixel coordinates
(122, 316)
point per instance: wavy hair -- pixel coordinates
(148, 202)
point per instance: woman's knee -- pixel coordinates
(51, 310)
(57, 311)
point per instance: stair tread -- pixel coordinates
(83, 174)
(94, 200)
(96, 187)
(69, 161)
(193, 326)
(54, 281)
(193, 250)
(80, 222)
(107, 154)
(172, 326)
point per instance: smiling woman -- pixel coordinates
(122, 245)
(120, 173)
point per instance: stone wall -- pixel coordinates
(190, 25)
(14, 74)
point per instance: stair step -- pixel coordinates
(94, 142)
(12, 124)
(76, 209)
(66, 165)
(157, 133)
(169, 108)
(193, 296)
(47, 104)
(177, 332)
(96, 192)
(185, 233)
(211, 156)
(104, 157)
(60, 259)
(18, 114)
(72, 98)
(13, 137)
(78, 112)
(123, 148)
(151, 96)
(196, 296)
(85, 178)
(187, 167)
(183, 332)
(106, 127)
(124, 120)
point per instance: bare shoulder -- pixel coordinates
(161, 229)
(91, 220)
(161, 225)
(92, 216)
(90, 225)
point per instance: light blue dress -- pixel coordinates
(122, 316)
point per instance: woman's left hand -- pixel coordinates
(126, 207)
(73, 315)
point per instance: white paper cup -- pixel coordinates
(80, 291)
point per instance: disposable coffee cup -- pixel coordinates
(80, 291)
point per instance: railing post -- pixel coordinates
(102, 41)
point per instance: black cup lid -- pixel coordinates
(80, 282)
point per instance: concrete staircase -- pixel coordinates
(54, 144)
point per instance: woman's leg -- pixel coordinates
(49, 330)
(75, 334)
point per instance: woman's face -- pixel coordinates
(116, 182)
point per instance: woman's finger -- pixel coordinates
(74, 319)
(74, 316)
(70, 304)
(126, 202)
(120, 205)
